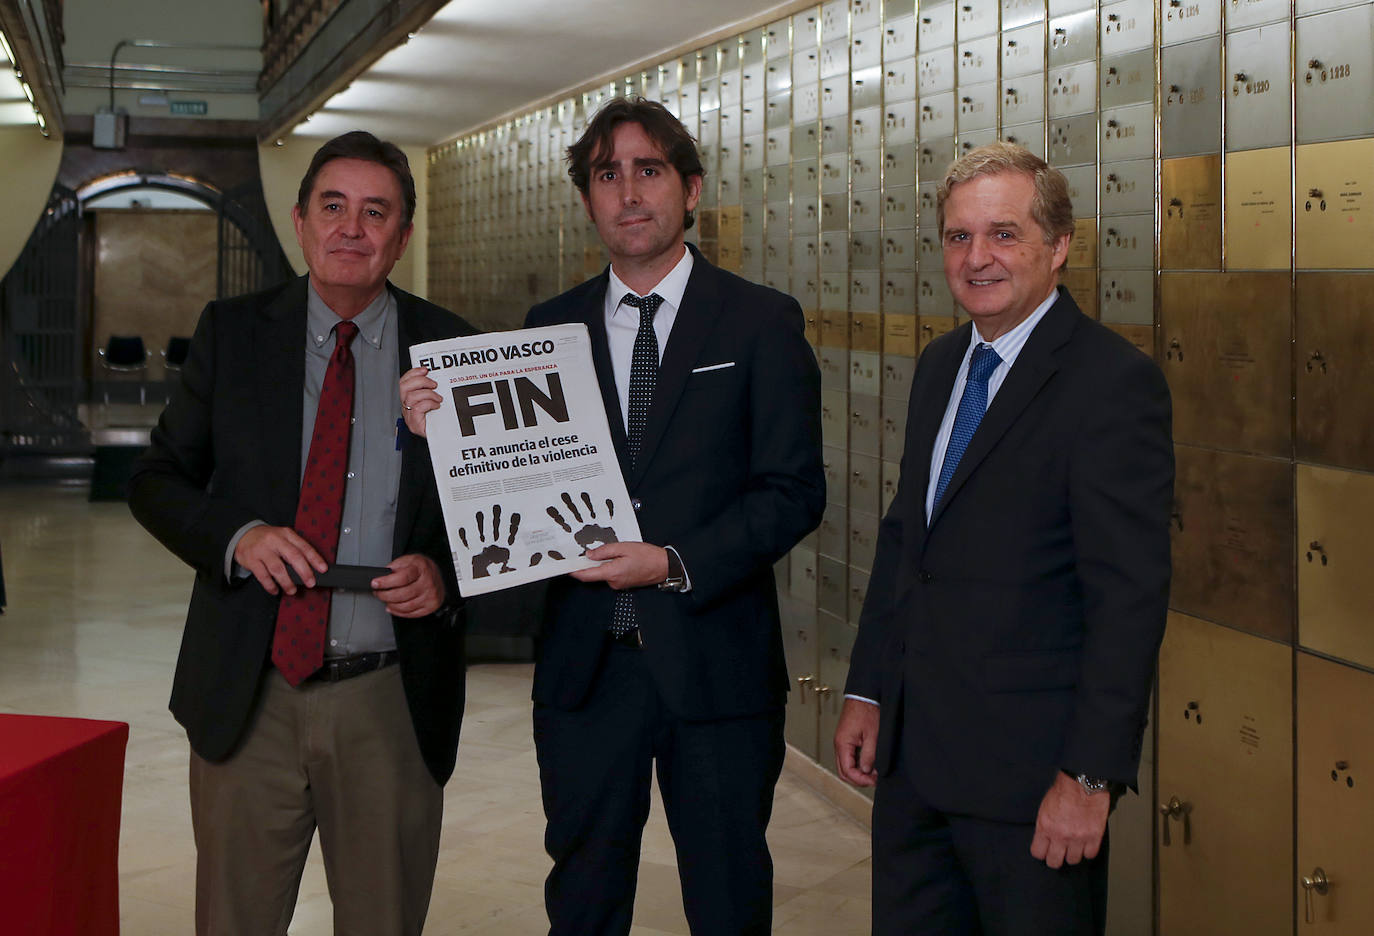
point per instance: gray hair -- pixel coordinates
(1051, 207)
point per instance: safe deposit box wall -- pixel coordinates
(1221, 160)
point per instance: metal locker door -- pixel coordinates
(1335, 590)
(865, 376)
(1335, 799)
(1228, 359)
(1225, 790)
(1190, 222)
(1182, 20)
(1190, 99)
(1127, 25)
(1335, 75)
(1128, 187)
(1127, 242)
(935, 26)
(1023, 51)
(1335, 189)
(1257, 109)
(1020, 12)
(1073, 37)
(1129, 79)
(1335, 343)
(1233, 540)
(1258, 210)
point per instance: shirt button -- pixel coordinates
(350, 530)
(636, 503)
(925, 577)
(320, 338)
(352, 420)
(334, 643)
(351, 475)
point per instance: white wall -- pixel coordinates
(282, 168)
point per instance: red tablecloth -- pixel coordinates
(60, 786)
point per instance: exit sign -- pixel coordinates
(194, 108)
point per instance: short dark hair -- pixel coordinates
(359, 144)
(659, 125)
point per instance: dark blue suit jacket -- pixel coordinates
(1017, 634)
(729, 473)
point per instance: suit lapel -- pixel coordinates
(1033, 368)
(593, 315)
(928, 412)
(696, 319)
(279, 348)
(416, 469)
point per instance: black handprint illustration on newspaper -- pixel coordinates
(592, 534)
(493, 553)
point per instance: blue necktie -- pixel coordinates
(972, 405)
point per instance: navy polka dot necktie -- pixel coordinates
(643, 380)
(972, 405)
(303, 618)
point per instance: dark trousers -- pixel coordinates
(949, 875)
(716, 778)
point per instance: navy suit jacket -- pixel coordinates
(729, 473)
(227, 450)
(1017, 633)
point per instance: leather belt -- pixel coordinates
(347, 667)
(631, 639)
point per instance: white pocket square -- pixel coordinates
(709, 367)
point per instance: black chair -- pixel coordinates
(174, 359)
(125, 354)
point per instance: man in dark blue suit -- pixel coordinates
(999, 681)
(670, 651)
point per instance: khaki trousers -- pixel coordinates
(340, 757)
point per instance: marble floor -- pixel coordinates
(92, 628)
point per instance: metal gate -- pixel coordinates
(250, 257)
(42, 338)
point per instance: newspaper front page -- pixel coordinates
(522, 454)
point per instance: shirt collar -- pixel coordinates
(671, 287)
(320, 319)
(1008, 346)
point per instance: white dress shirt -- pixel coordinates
(1007, 347)
(622, 323)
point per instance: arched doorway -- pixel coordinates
(47, 340)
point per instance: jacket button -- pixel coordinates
(924, 577)
(636, 503)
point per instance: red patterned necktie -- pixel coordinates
(303, 618)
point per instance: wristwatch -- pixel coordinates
(1093, 785)
(677, 575)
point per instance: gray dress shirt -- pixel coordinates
(358, 622)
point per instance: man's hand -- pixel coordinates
(413, 589)
(1070, 824)
(856, 742)
(419, 395)
(626, 565)
(266, 551)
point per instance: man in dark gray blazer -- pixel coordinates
(1000, 677)
(347, 721)
(670, 652)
